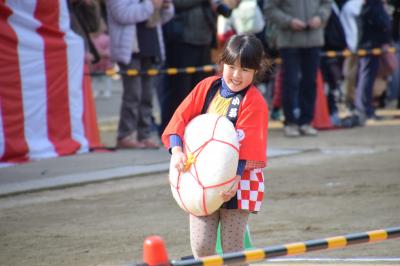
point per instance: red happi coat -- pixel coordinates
(251, 127)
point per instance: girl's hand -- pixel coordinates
(227, 195)
(178, 158)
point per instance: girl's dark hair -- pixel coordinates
(249, 50)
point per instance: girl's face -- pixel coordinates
(236, 77)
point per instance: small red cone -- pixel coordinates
(154, 251)
(321, 119)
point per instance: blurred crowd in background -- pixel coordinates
(298, 35)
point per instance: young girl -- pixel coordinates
(234, 96)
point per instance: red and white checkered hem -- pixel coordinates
(250, 193)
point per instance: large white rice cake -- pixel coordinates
(215, 164)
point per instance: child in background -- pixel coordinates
(102, 84)
(241, 61)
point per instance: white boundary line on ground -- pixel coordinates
(372, 259)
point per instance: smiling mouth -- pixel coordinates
(234, 82)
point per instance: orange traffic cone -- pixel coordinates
(89, 112)
(154, 251)
(321, 119)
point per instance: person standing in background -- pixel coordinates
(135, 44)
(348, 17)
(393, 94)
(300, 38)
(102, 85)
(332, 67)
(85, 19)
(189, 38)
(375, 30)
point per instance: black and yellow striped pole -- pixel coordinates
(294, 248)
(297, 248)
(213, 68)
(155, 71)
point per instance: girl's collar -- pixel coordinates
(225, 91)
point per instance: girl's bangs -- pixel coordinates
(241, 49)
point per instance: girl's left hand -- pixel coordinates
(227, 195)
(178, 159)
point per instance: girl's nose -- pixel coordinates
(237, 73)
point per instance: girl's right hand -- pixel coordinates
(178, 158)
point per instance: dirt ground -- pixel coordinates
(341, 182)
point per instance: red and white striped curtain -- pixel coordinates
(41, 77)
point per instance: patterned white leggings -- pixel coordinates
(204, 229)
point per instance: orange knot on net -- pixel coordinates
(191, 159)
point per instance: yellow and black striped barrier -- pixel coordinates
(359, 52)
(294, 248)
(213, 68)
(348, 53)
(155, 71)
(256, 255)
